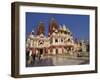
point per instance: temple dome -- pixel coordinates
(65, 28)
(60, 27)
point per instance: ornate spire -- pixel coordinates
(53, 25)
(52, 19)
(41, 28)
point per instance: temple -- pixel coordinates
(59, 40)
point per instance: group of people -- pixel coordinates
(31, 56)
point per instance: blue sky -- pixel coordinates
(78, 24)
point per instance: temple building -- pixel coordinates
(59, 40)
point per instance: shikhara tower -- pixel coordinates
(58, 41)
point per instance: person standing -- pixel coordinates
(30, 57)
(33, 56)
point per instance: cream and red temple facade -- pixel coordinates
(58, 41)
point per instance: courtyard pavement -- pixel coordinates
(59, 60)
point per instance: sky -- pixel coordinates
(77, 24)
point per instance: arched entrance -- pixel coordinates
(56, 51)
(41, 51)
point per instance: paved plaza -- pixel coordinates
(59, 60)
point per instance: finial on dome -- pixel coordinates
(32, 32)
(52, 18)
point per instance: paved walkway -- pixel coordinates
(59, 60)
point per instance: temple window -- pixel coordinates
(80, 44)
(56, 40)
(61, 40)
(68, 40)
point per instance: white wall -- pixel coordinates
(5, 40)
